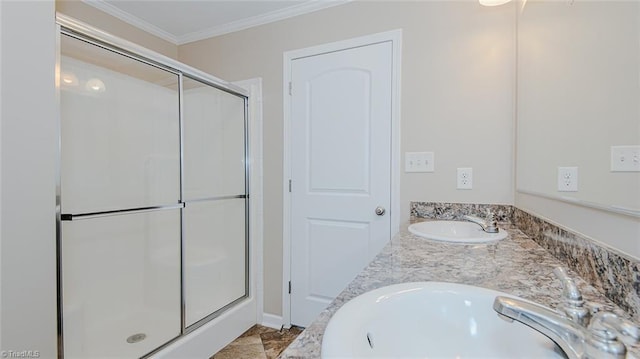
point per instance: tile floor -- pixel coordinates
(259, 343)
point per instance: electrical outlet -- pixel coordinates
(625, 158)
(568, 179)
(465, 178)
(419, 162)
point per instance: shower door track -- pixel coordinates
(83, 32)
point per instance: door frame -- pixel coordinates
(395, 36)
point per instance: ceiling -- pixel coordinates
(184, 21)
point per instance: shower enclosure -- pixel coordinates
(153, 199)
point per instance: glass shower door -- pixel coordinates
(215, 195)
(121, 284)
(120, 203)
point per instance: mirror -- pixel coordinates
(578, 94)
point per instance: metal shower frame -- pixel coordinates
(67, 26)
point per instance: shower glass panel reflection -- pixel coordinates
(121, 284)
(214, 194)
(214, 251)
(119, 150)
(153, 238)
(120, 131)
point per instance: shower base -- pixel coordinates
(108, 339)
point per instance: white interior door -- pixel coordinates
(341, 120)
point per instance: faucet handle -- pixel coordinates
(629, 332)
(490, 217)
(609, 333)
(491, 222)
(570, 290)
(607, 324)
(572, 304)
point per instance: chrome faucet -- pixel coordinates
(571, 305)
(489, 224)
(568, 335)
(577, 334)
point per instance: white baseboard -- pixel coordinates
(272, 321)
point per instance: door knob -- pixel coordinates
(380, 211)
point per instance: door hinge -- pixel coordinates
(290, 88)
(289, 287)
(289, 185)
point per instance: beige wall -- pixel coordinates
(578, 70)
(103, 21)
(457, 96)
(27, 165)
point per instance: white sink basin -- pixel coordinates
(430, 320)
(455, 231)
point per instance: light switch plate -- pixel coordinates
(568, 179)
(625, 158)
(419, 162)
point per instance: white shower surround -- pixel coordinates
(234, 320)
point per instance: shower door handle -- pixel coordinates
(74, 217)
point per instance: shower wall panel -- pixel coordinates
(214, 256)
(120, 150)
(214, 153)
(120, 138)
(215, 267)
(121, 278)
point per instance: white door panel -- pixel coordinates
(340, 169)
(342, 163)
(325, 278)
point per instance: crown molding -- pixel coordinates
(132, 20)
(273, 16)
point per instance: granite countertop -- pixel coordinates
(516, 265)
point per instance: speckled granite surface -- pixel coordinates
(516, 265)
(446, 211)
(612, 272)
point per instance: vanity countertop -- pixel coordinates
(516, 265)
